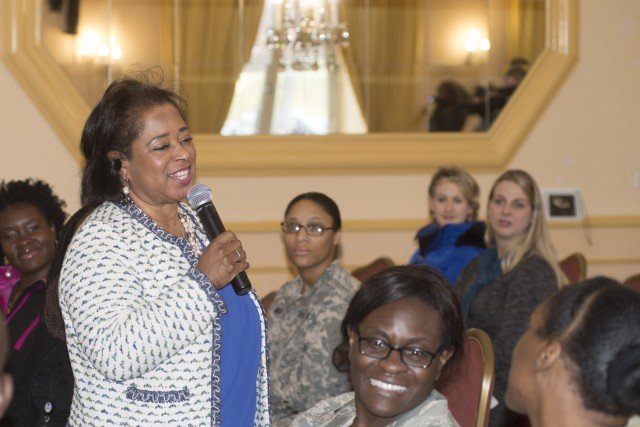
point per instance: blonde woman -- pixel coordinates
(515, 274)
(454, 237)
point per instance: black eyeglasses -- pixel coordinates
(310, 229)
(410, 356)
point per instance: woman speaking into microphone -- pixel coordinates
(155, 335)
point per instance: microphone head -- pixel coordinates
(198, 195)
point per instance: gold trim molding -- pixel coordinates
(386, 153)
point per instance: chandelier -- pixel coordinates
(306, 33)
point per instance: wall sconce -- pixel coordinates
(92, 48)
(475, 43)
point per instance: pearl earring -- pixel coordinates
(125, 188)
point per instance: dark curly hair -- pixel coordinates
(408, 281)
(596, 323)
(37, 193)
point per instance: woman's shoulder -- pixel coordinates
(106, 213)
(108, 229)
(434, 411)
(343, 280)
(532, 273)
(334, 411)
(427, 230)
(287, 293)
(533, 264)
(335, 288)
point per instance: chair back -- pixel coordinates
(375, 266)
(469, 387)
(633, 282)
(574, 267)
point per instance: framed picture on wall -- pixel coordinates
(562, 204)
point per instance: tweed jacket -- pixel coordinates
(143, 325)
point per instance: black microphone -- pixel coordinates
(199, 197)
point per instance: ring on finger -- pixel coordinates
(239, 255)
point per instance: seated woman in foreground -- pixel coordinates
(403, 329)
(579, 362)
(512, 277)
(454, 237)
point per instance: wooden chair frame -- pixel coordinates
(582, 264)
(484, 404)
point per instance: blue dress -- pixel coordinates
(450, 248)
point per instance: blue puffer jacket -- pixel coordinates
(450, 248)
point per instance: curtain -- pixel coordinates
(216, 37)
(385, 59)
(526, 29)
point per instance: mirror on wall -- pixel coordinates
(309, 67)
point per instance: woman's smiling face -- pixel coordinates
(161, 167)
(387, 388)
(28, 240)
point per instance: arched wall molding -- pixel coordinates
(50, 89)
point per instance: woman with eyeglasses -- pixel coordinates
(503, 286)
(402, 331)
(304, 319)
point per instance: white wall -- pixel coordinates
(30, 148)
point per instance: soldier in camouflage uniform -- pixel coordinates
(402, 330)
(305, 317)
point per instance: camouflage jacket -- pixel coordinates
(304, 329)
(340, 411)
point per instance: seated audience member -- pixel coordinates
(402, 331)
(578, 364)
(31, 219)
(454, 237)
(512, 277)
(304, 319)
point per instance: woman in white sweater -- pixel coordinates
(155, 335)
